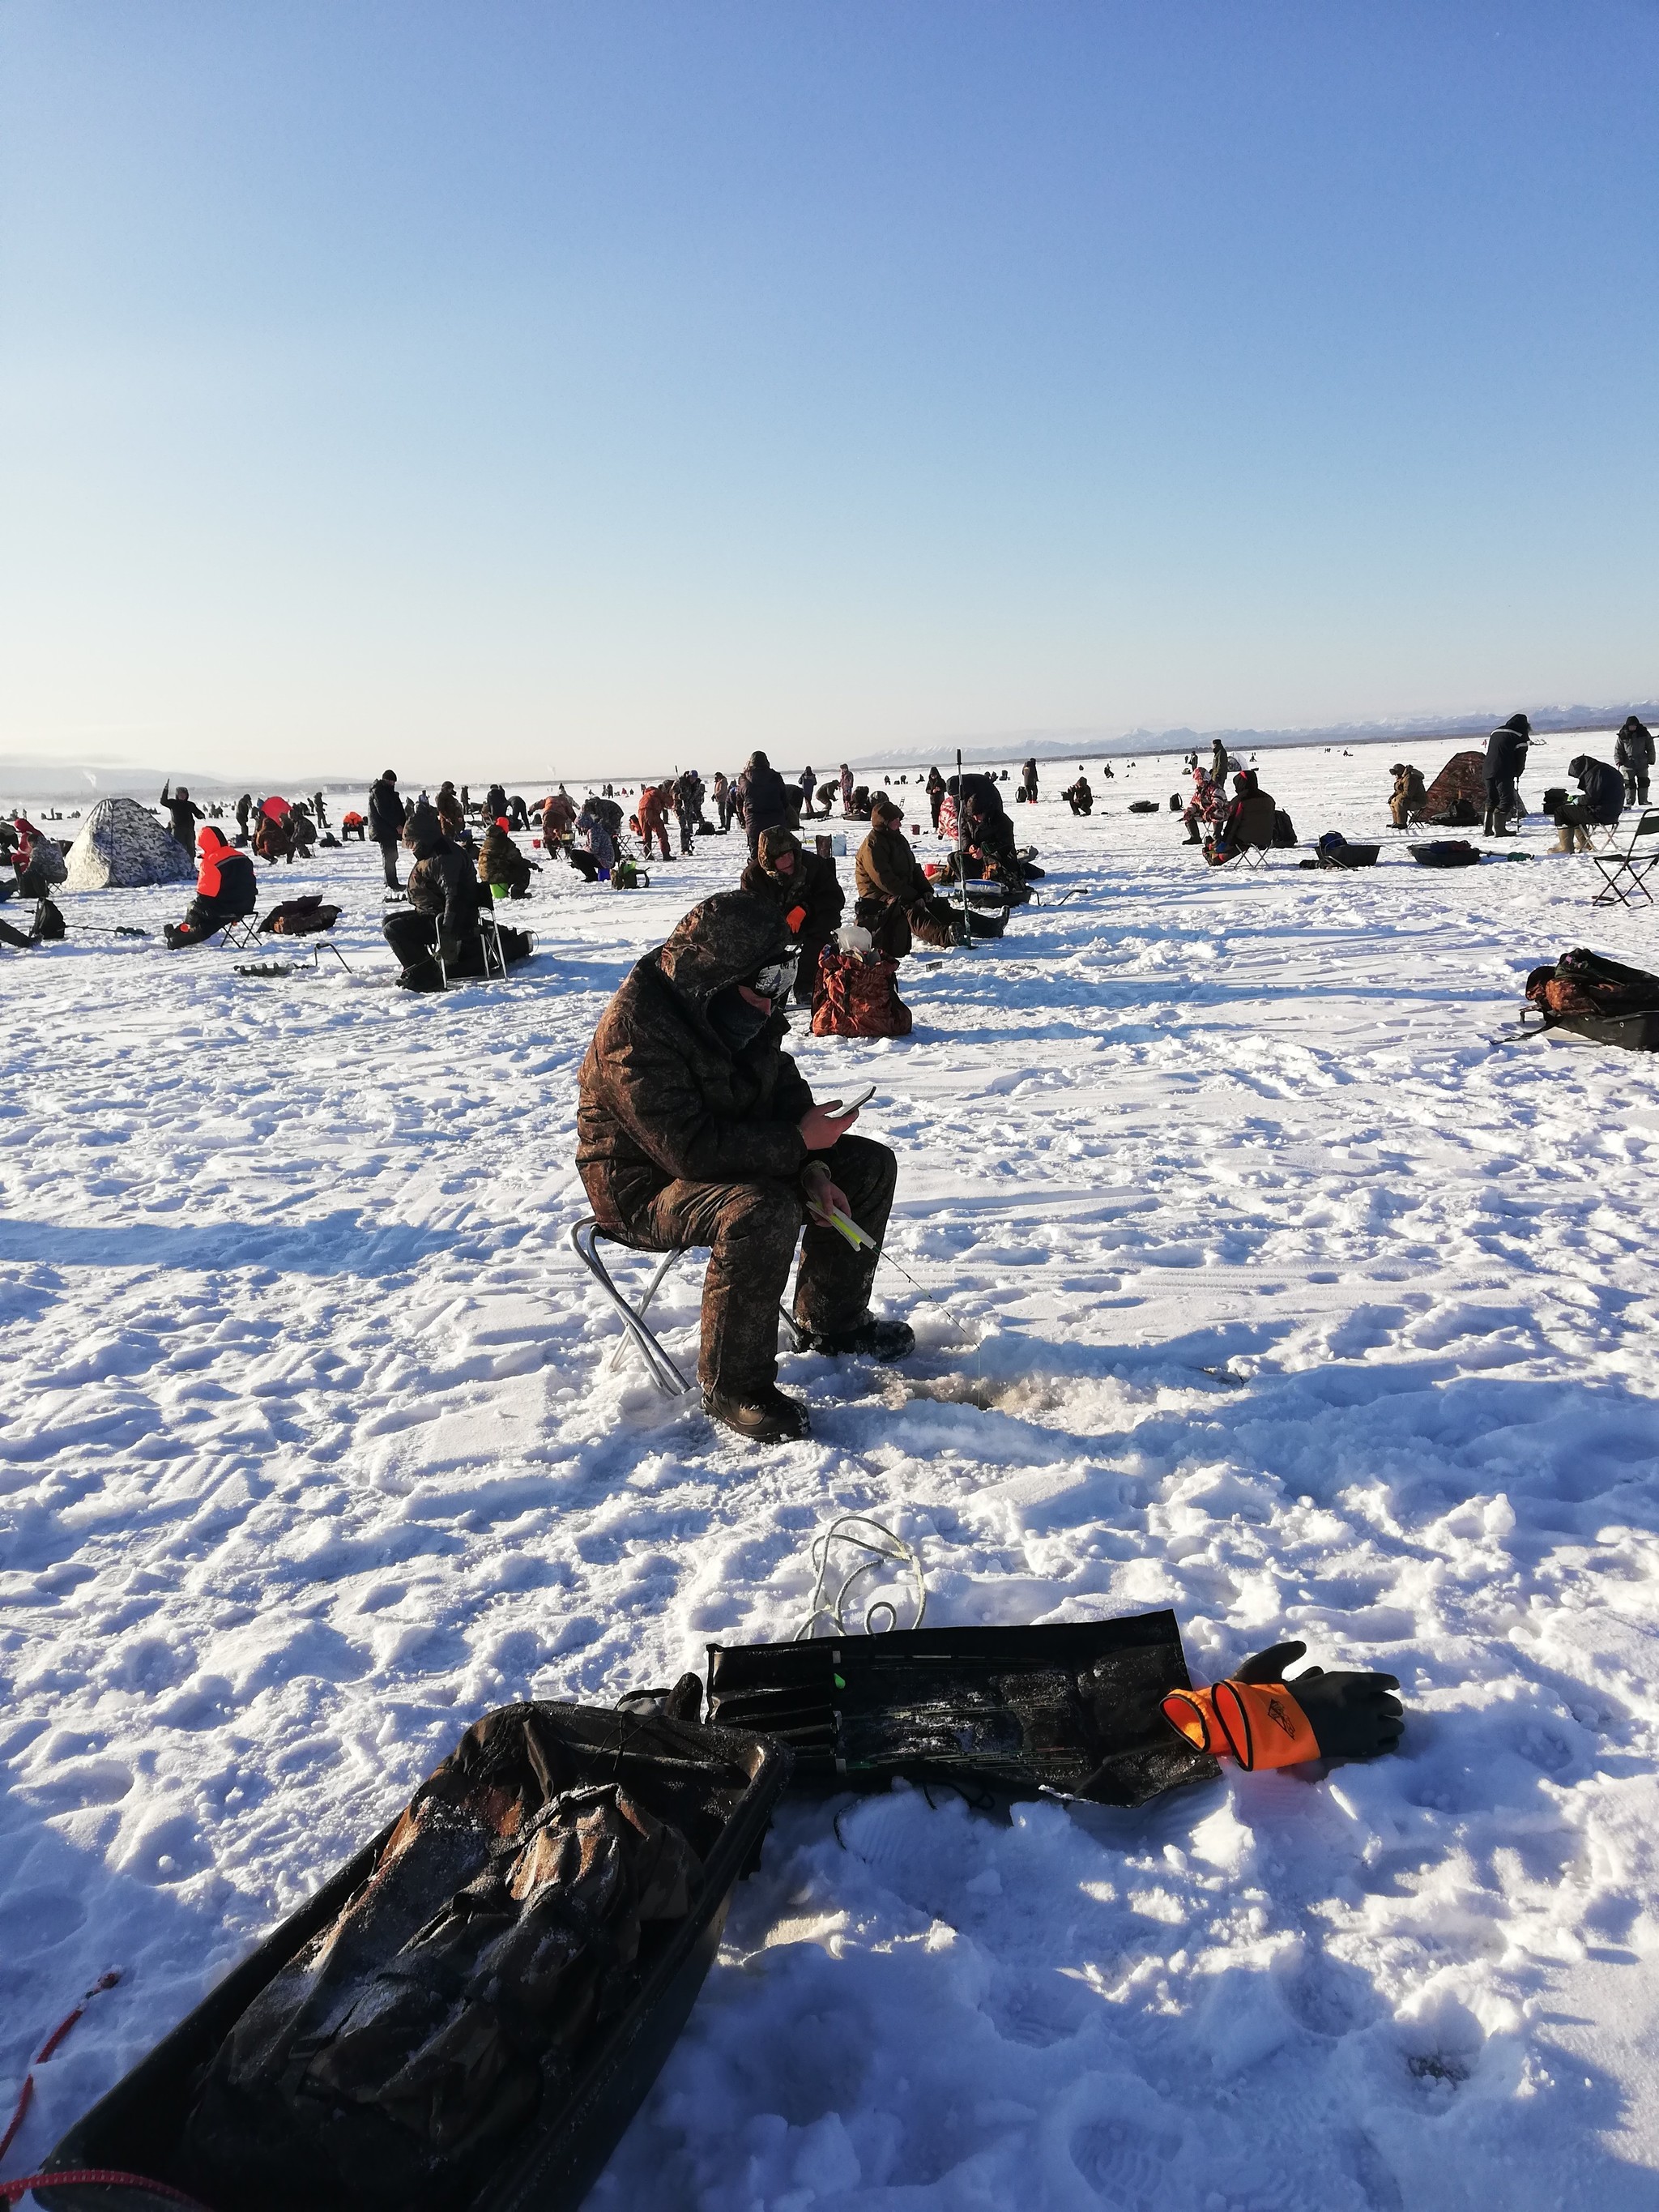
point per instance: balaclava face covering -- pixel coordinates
(733, 1020)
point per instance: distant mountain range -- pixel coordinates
(1132, 745)
(25, 776)
(30, 778)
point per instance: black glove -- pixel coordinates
(1352, 1715)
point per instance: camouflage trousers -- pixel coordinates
(751, 1229)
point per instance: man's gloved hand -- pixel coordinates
(1353, 1716)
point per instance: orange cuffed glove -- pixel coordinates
(1260, 1721)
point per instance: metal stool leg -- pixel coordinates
(489, 933)
(640, 1310)
(658, 1364)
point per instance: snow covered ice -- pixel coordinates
(1280, 1282)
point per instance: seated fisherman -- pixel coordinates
(1204, 806)
(989, 837)
(273, 839)
(1602, 802)
(442, 917)
(500, 862)
(1248, 821)
(593, 853)
(895, 902)
(37, 858)
(694, 1128)
(1406, 800)
(226, 891)
(804, 888)
(1080, 796)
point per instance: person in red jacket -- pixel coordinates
(226, 890)
(558, 818)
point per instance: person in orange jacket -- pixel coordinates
(226, 890)
(654, 816)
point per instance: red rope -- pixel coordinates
(28, 2091)
(99, 2177)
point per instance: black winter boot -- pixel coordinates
(764, 1415)
(870, 1337)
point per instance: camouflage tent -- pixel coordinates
(121, 844)
(1458, 797)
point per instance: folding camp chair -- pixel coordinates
(585, 1235)
(659, 1366)
(489, 937)
(1247, 856)
(1628, 862)
(241, 935)
(490, 930)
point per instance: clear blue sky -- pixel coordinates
(477, 384)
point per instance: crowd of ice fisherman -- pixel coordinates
(462, 851)
(697, 1128)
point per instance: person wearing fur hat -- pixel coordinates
(803, 886)
(1601, 805)
(896, 901)
(693, 1127)
(387, 817)
(1506, 761)
(1632, 754)
(1406, 800)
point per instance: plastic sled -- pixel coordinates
(1446, 852)
(1633, 1032)
(719, 1789)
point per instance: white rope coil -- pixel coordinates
(881, 1547)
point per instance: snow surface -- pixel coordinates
(1280, 1283)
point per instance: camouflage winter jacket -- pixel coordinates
(661, 1097)
(499, 861)
(887, 868)
(441, 886)
(809, 891)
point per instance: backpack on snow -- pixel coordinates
(300, 917)
(856, 996)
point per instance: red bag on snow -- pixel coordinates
(856, 996)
